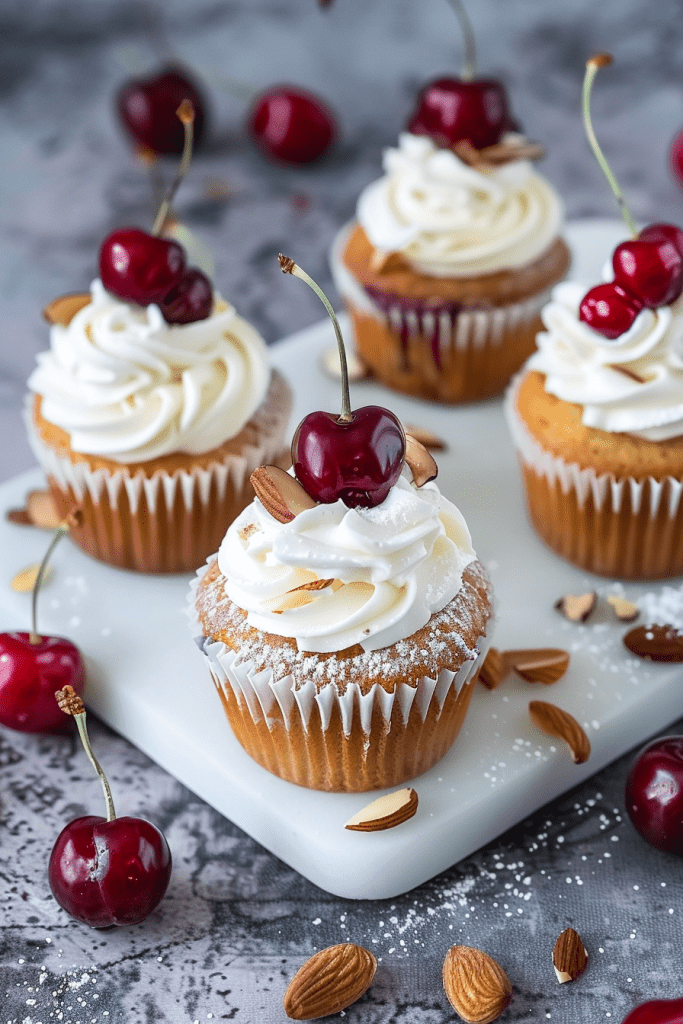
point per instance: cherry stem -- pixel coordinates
(288, 266)
(469, 64)
(593, 65)
(185, 114)
(85, 740)
(34, 636)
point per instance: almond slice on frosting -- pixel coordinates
(280, 494)
(386, 812)
(62, 310)
(420, 461)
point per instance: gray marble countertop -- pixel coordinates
(236, 922)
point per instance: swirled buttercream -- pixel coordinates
(632, 385)
(126, 385)
(450, 220)
(387, 568)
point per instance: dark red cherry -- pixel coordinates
(659, 1011)
(651, 268)
(30, 674)
(147, 107)
(676, 158)
(189, 300)
(357, 460)
(107, 873)
(450, 110)
(663, 232)
(139, 267)
(291, 125)
(609, 309)
(654, 794)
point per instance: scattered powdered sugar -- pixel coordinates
(664, 607)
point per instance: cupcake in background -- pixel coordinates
(597, 413)
(343, 622)
(454, 250)
(152, 407)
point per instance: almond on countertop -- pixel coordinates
(569, 956)
(40, 510)
(561, 725)
(25, 580)
(625, 611)
(656, 643)
(329, 981)
(386, 812)
(543, 665)
(577, 607)
(280, 494)
(494, 669)
(477, 987)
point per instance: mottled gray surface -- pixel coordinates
(236, 922)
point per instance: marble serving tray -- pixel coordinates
(146, 678)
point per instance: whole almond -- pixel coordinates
(420, 461)
(63, 310)
(577, 607)
(280, 494)
(543, 665)
(386, 812)
(569, 956)
(493, 670)
(329, 981)
(656, 643)
(477, 987)
(562, 726)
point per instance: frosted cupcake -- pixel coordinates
(344, 634)
(152, 407)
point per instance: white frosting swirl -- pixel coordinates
(126, 385)
(450, 220)
(645, 397)
(392, 567)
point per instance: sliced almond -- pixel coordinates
(493, 670)
(569, 956)
(386, 812)
(280, 494)
(575, 607)
(19, 516)
(625, 611)
(25, 580)
(562, 726)
(313, 585)
(430, 440)
(505, 152)
(544, 665)
(245, 532)
(656, 643)
(355, 367)
(42, 509)
(420, 462)
(476, 985)
(329, 981)
(63, 310)
(626, 371)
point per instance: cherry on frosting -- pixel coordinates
(139, 267)
(650, 268)
(189, 300)
(147, 107)
(609, 309)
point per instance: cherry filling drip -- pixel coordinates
(400, 310)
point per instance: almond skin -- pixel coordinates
(329, 981)
(656, 643)
(477, 987)
(421, 462)
(386, 812)
(569, 956)
(280, 494)
(494, 669)
(562, 726)
(544, 665)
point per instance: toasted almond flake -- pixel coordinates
(493, 670)
(569, 956)
(430, 440)
(25, 580)
(386, 812)
(627, 372)
(577, 608)
(562, 726)
(245, 532)
(476, 985)
(280, 494)
(62, 310)
(505, 152)
(330, 365)
(329, 981)
(313, 585)
(420, 462)
(625, 611)
(544, 665)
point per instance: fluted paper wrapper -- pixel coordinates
(462, 357)
(342, 742)
(624, 527)
(163, 523)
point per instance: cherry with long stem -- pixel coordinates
(468, 70)
(185, 114)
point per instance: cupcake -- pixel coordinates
(454, 249)
(343, 622)
(597, 413)
(153, 406)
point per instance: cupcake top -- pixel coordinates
(334, 577)
(450, 219)
(127, 385)
(631, 384)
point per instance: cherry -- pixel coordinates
(657, 232)
(356, 457)
(291, 125)
(659, 1011)
(654, 793)
(676, 157)
(609, 309)
(139, 267)
(107, 871)
(147, 108)
(189, 300)
(651, 268)
(33, 666)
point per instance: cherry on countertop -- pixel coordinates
(29, 675)
(654, 794)
(659, 1011)
(147, 107)
(291, 125)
